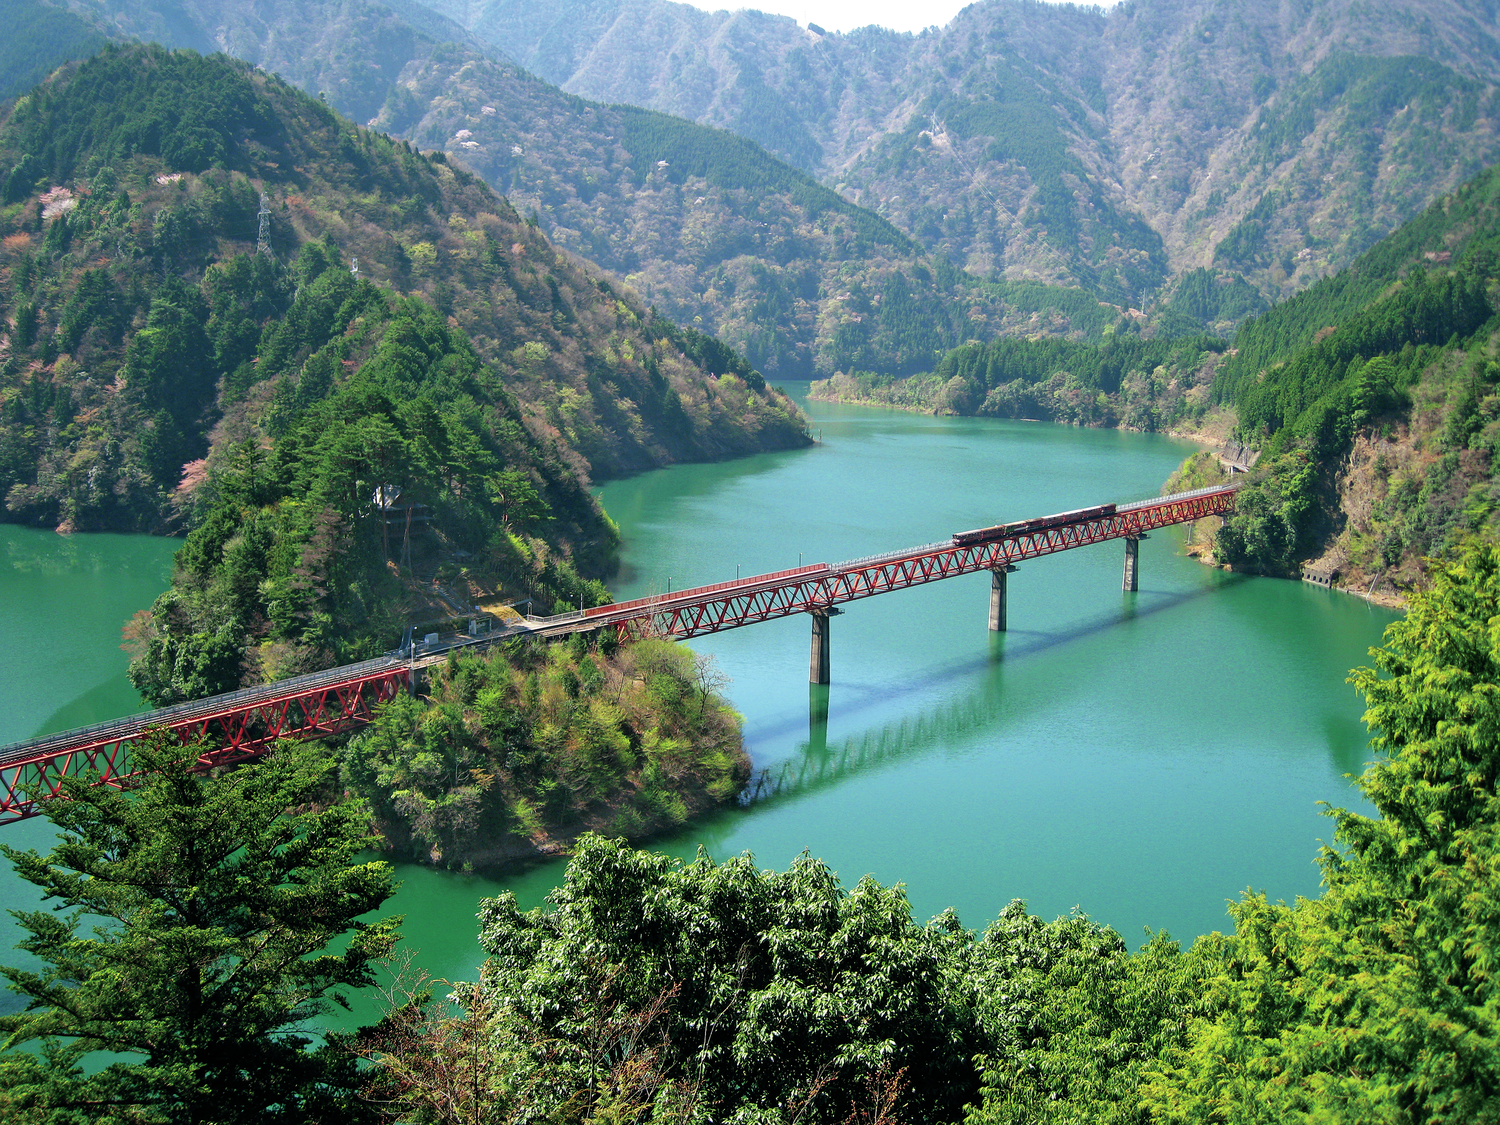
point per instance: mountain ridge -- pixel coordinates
(1150, 98)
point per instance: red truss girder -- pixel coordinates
(695, 612)
(234, 735)
(248, 728)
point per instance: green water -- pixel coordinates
(63, 601)
(1143, 757)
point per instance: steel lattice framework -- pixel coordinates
(235, 731)
(245, 724)
(819, 587)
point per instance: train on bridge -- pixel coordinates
(245, 724)
(1021, 527)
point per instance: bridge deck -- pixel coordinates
(244, 724)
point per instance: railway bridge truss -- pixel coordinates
(245, 724)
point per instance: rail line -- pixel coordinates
(246, 724)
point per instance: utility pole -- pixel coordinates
(263, 237)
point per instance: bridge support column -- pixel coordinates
(818, 665)
(997, 597)
(1132, 582)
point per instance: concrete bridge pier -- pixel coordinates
(1132, 581)
(818, 665)
(997, 597)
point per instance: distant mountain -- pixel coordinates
(348, 52)
(39, 38)
(710, 229)
(707, 226)
(1161, 155)
(1107, 149)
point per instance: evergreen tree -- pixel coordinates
(191, 946)
(1377, 1001)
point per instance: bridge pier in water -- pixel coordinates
(1132, 582)
(818, 666)
(249, 722)
(997, 597)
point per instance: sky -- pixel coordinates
(846, 15)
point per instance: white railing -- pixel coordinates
(1174, 497)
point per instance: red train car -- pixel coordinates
(1021, 527)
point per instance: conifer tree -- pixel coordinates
(199, 930)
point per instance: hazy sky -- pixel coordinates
(845, 15)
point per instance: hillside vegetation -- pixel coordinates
(1150, 385)
(588, 365)
(1374, 395)
(1188, 159)
(401, 329)
(705, 225)
(515, 754)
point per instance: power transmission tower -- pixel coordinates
(354, 266)
(263, 238)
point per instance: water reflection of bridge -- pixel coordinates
(821, 766)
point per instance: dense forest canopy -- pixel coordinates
(517, 752)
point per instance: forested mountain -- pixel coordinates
(722, 236)
(1374, 396)
(231, 310)
(1108, 149)
(1124, 152)
(39, 38)
(348, 52)
(709, 228)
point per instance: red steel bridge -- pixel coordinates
(245, 724)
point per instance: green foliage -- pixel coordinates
(1126, 380)
(1246, 245)
(199, 926)
(706, 225)
(1198, 470)
(1311, 395)
(1367, 90)
(1377, 1001)
(289, 563)
(1033, 125)
(1072, 1020)
(191, 111)
(38, 39)
(782, 990)
(1272, 527)
(1207, 298)
(1082, 314)
(534, 744)
(726, 160)
(1460, 227)
(142, 321)
(1353, 355)
(724, 993)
